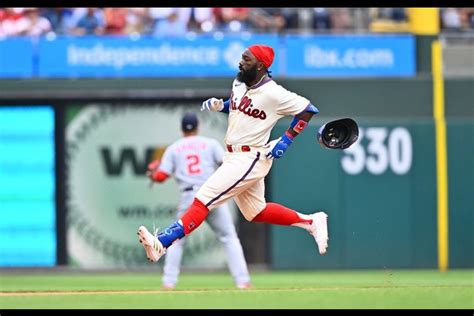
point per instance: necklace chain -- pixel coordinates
(261, 79)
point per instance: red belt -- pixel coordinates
(240, 148)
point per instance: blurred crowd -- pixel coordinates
(179, 21)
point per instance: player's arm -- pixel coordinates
(226, 107)
(160, 170)
(154, 172)
(300, 122)
(216, 105)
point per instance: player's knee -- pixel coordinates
(225, 233)
(231, 238)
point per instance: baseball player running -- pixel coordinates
(192, 159)
(255, 105)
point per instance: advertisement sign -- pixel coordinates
(215, 55)
(201, 56)
(350, 55)
(27, 186)
(108, 193)
(16, 57)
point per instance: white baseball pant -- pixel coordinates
(221, 222)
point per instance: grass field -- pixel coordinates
(397, 289)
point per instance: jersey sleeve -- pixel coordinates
(289, 103)
(167, 161)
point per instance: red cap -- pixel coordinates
(263, 53)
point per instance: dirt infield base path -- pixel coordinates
(58, 293)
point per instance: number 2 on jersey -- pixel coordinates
(193, 164)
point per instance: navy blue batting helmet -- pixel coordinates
(338, 134)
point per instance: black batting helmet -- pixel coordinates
(338, 134)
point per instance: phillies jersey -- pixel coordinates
(192, 160)
(254, 111)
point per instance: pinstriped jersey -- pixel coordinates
(192, 160)
(253, 112)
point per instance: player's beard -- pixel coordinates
(247, 76)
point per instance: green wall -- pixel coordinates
(379, 219)
(461, 192)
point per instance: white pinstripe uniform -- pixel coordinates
(192, 160)
(253, 113)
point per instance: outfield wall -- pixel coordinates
(382, 206)
(381, 193)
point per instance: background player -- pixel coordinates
(255, 105)
(192, 159)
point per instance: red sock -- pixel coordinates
(277, 214)
(194, 216)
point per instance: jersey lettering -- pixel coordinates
(245, 107)
(254, 112)
(193, 164)
(233, 106)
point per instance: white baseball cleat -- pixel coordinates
(244, 286)
(319, 230)
(153, 247)
(168, 287)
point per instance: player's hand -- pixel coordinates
(152, 168)
(277, 147)
(212, 104)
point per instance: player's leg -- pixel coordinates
(222, 223)
(254, 208)
(231, 178)
(235, 175)
(172, 265)
(315, 224)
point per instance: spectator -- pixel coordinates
(8, 22)
(61, 19)
(392, 14)
(90, 24)
(115, 20)
(390, 20)
(234, 19)
(291, 18)
(321, 19)
(183, 16)
(172, 26)
(451, 19)
(158, 14)
(467, 17)
(341, 19)
(33, 24)
(268, 19)
(202, 20)
(138, 20)
(398, 15)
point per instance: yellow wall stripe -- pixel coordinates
(441, 156)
